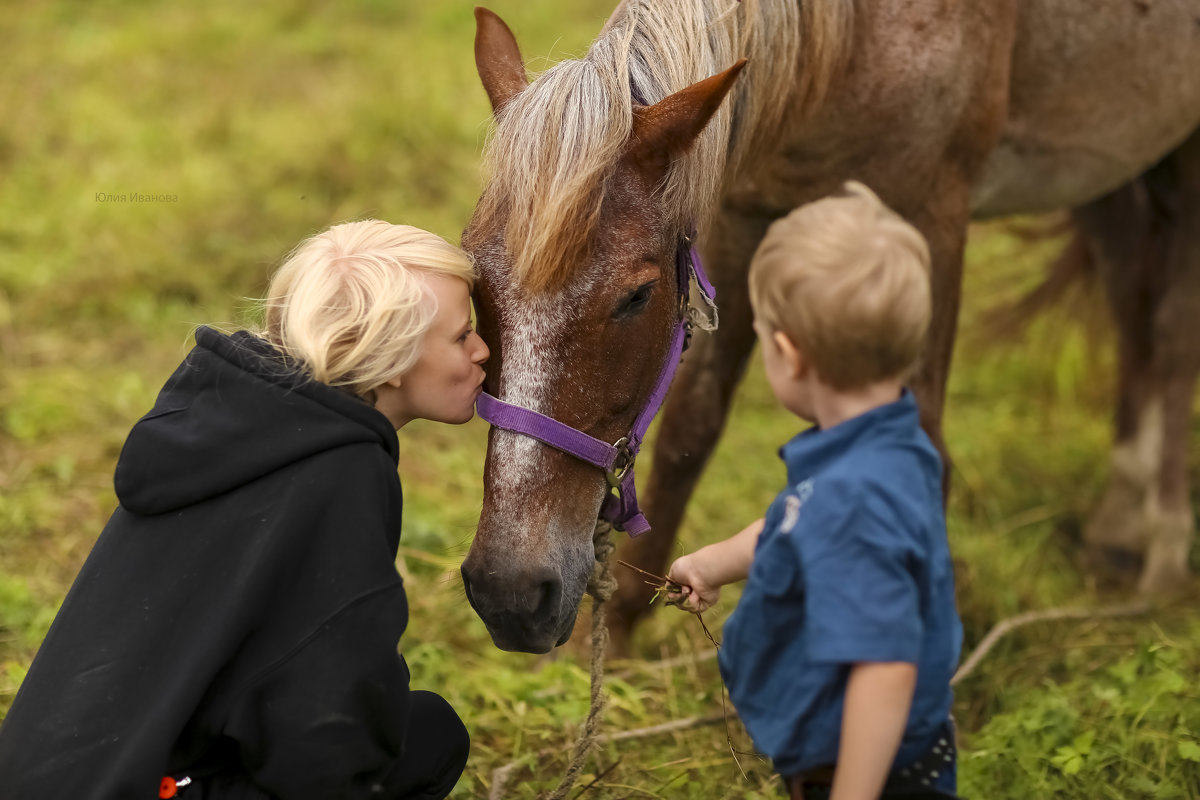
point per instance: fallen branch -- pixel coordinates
(673, 726)
(501, 775)
(1007, 626)
(666, 663)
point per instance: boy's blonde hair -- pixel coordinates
(351, 304)
(847, 280)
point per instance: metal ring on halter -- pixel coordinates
(622, 464)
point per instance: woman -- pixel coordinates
(234, 632)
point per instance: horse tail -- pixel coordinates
(1125, 233)
(1075, 266)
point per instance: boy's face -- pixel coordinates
(788, 372)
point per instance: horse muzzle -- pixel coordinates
(525, 610)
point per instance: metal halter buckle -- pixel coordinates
(622, 464)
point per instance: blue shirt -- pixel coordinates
(852, 565)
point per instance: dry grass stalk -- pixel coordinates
(664, 586)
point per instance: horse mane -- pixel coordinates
(557, 142)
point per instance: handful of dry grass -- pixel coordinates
(663, 587)
(674, 594)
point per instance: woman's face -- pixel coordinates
(448, 376)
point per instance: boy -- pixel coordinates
(840, 652)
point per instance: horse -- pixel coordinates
(605, 170)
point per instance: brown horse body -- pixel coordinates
(948, 109)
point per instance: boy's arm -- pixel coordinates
(878, 698)
(713, 566)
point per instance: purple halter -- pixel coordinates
(615, 459)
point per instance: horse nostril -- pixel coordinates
(524, 600)
(467, 586)
(549, 593)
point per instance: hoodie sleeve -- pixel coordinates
(330, 719)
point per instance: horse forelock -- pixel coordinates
(554, 147)
(557, 143)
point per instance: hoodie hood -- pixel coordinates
(233, 412)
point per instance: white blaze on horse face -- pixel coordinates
(531, 332)
(534, 334)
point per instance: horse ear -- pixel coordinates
(497, 58)
(663, 131)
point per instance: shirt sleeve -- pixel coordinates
(862, 602)
(330, 719)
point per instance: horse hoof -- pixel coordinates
(1166, 573)
(1113, 569)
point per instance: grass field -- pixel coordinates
(158, 159)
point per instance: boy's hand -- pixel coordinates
(698, 594)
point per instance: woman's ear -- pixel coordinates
(797, 365)
(389, 401)
(395, 382)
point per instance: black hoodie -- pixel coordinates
(237, 621)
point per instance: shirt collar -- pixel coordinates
(815, 449)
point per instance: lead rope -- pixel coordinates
(601, 586)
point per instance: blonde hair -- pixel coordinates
(351, 305)
(847, 280)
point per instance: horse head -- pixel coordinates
(578, 297)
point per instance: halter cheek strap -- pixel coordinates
(621, 509)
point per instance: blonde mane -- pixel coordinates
(557, 142)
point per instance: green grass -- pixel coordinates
(262, 123)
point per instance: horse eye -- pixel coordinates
(635, 302)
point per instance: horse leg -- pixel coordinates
(693, 416)
(1124, 234)
(943, 221)
(1178, 363)
(1144, 241)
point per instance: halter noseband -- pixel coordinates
(616, 459)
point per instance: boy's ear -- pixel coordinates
(797, 365)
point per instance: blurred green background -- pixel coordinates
(250, 126)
